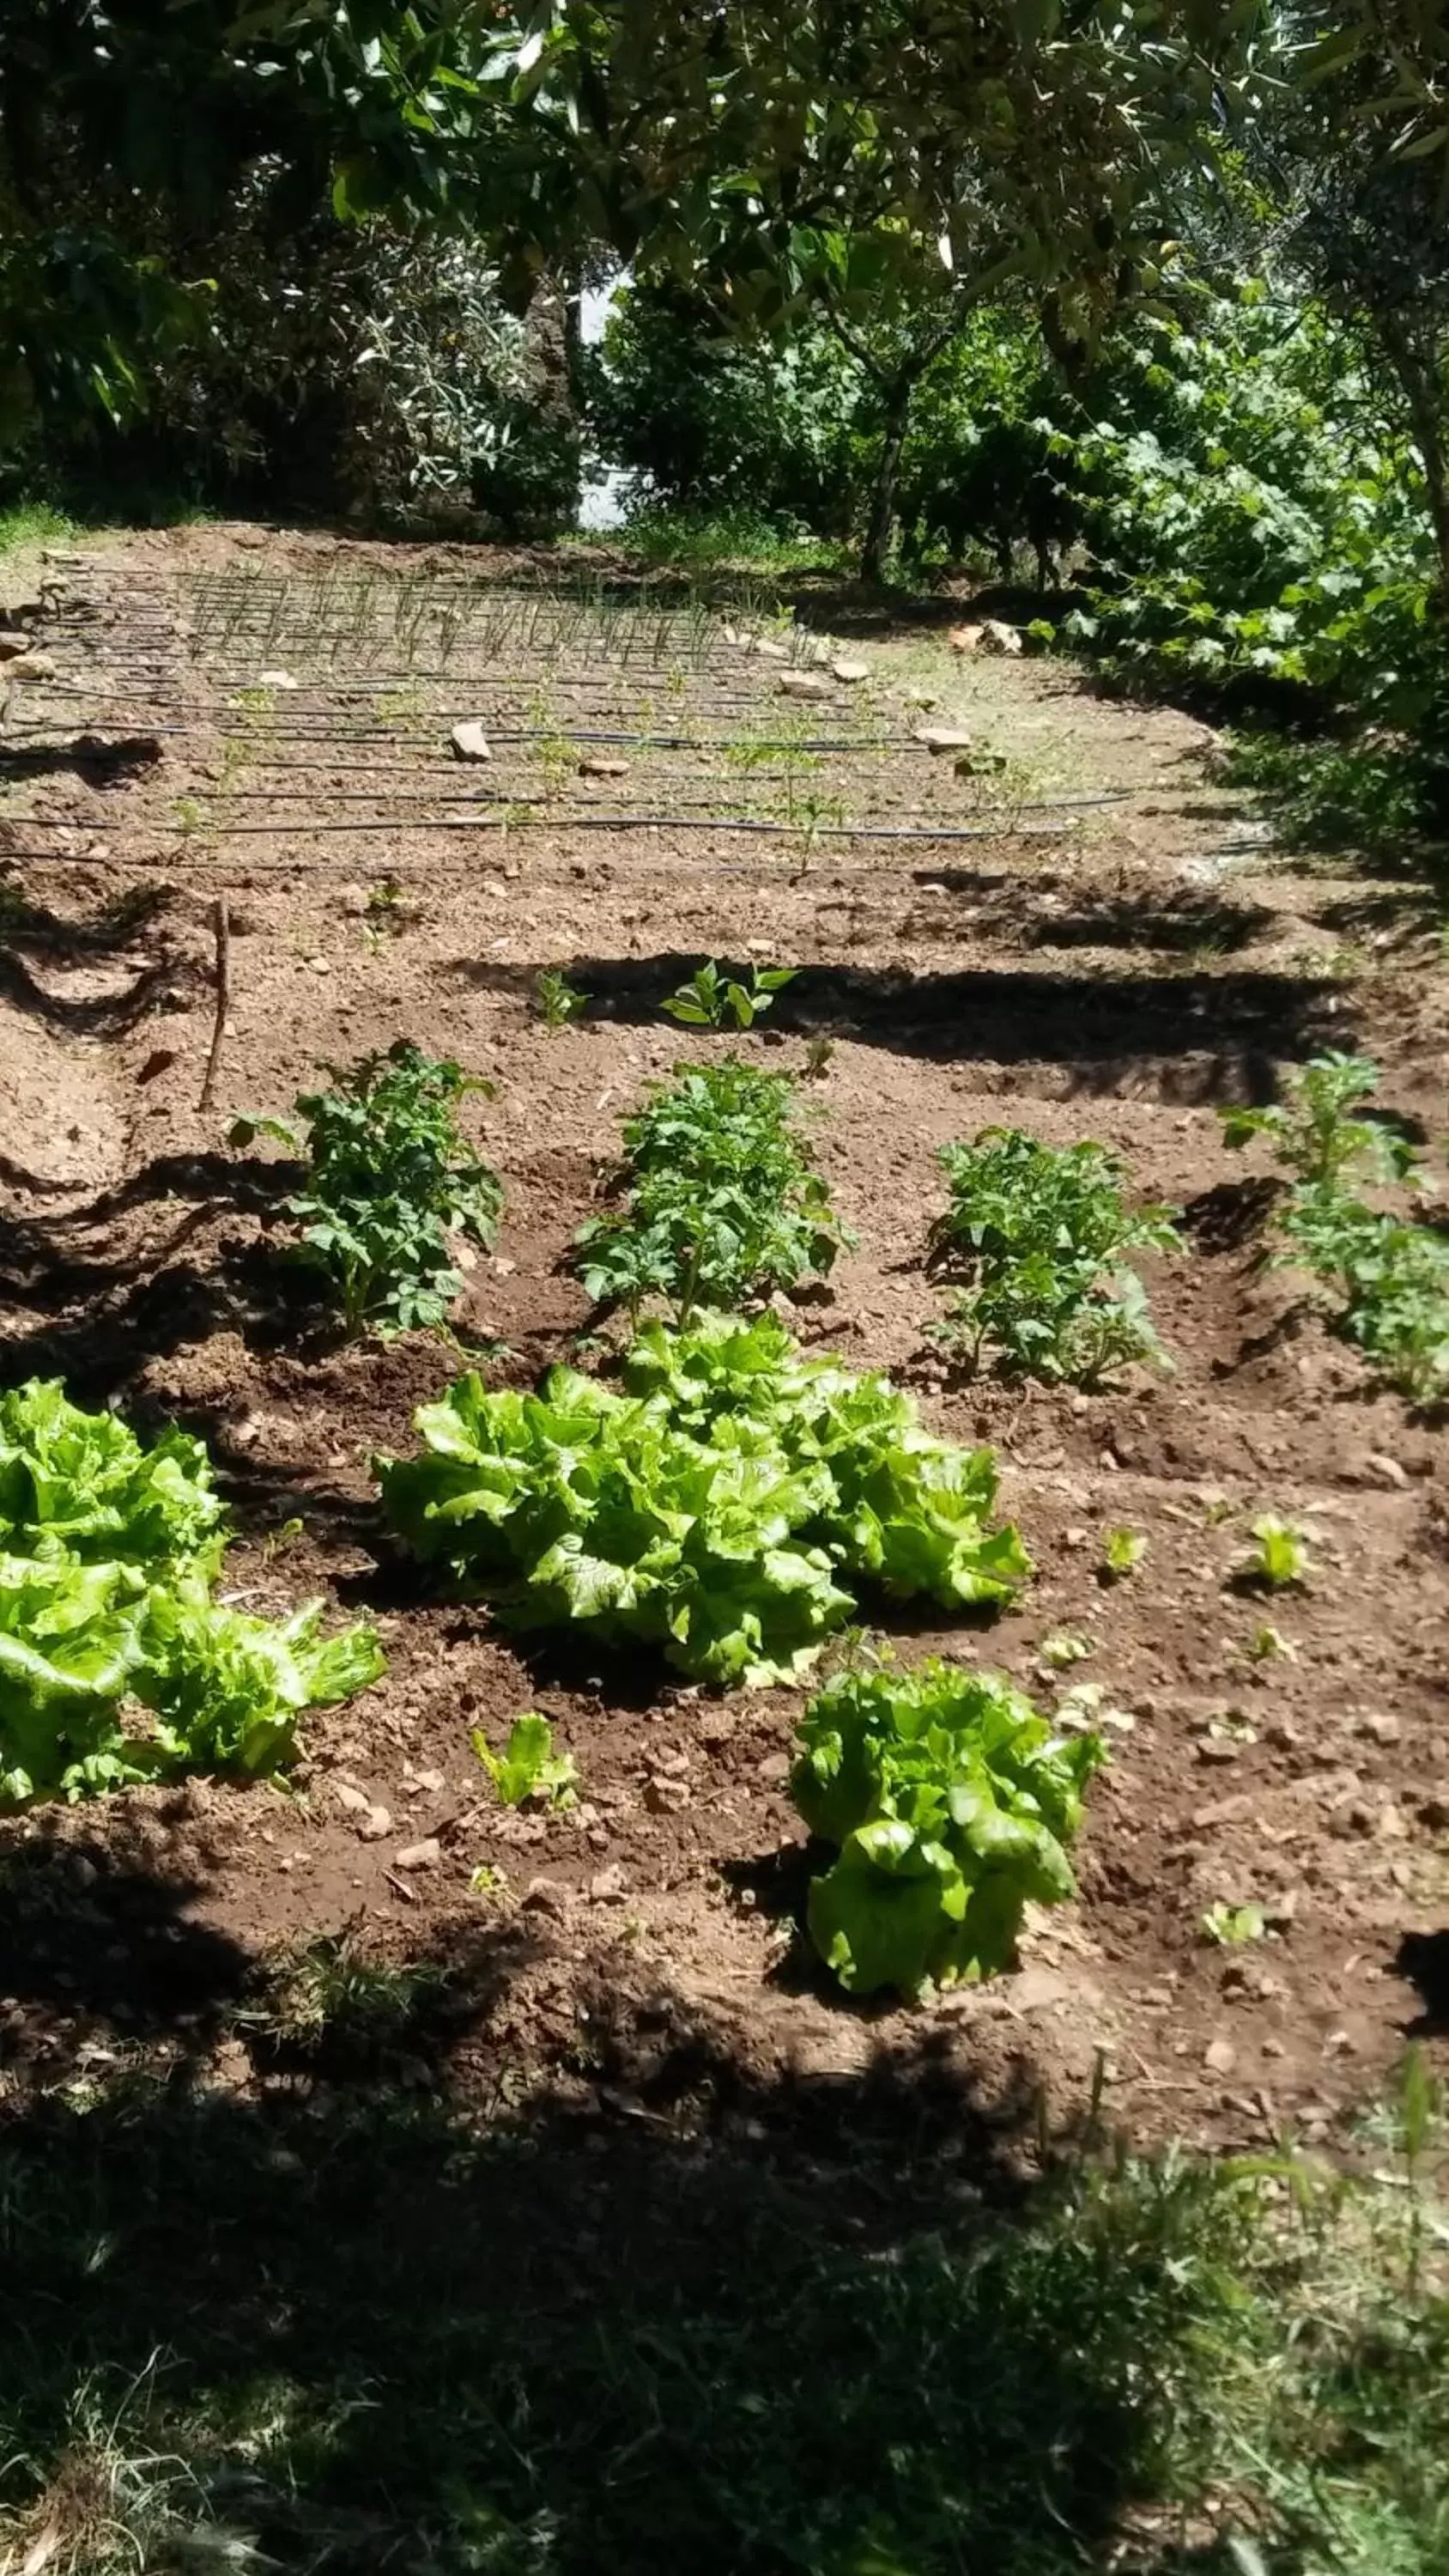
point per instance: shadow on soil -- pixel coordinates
(768, 2318)
(1204, 1036)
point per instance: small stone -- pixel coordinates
(926, 698)
(850, 671)
(433, 1782)
(1273, 2047)
(1220, 2057)
(606, 1887)
(12, 646)
(997, 637)
(670, 1760)
(596, 766)
(1386, 1468)
(941, 738)
(375, 1824)
(666, 1796)
(775, 1766)
(319, 965)
(470, 742)
(803, 684)
(1381, 1724)
(276, 680)
(1076, 1537)
(356, 1801)
(1217, 1748)
(83, 1871)
(424, 1855)
(541, 1896)
(1280, 1911)
(964, 639)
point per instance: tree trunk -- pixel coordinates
(883, 498)
(1419, 383)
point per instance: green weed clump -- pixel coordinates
(1040, 1236)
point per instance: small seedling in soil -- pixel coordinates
(818, 1053)
(387, 912)
(488, 1881)
(528, 1768)
(1278, 1557)
(1064, 1649)
(1231, 1926)
(711, 1000)
(1122, 1552)
(1314, 1134)
(277, 1539)
(1268, 1643)
(558, 1000)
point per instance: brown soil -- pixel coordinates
(1114, 970)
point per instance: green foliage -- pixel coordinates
(1314, 1134)
(1127, 2348)
(711, 1000)
(559, 1001)
(720, 1202)
(528, 1766)
(952, 1803)
(390, 1179)
(708, 1509)
(1122, 1552)
(1278, 1556)
(1041, 1232)
(1232, 1926)
(116, 1662)
(1389, 1274)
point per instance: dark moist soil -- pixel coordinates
(1122, 979)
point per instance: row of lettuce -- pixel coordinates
(724, 1506)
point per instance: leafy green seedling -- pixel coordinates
(720, 1204)
(529, 1768)
(486, 1880)
(1063, 1649)
(1268, 1643)
(711, 1000)
(558, 1000)
(1314, 1133)
(1278, 1557)
(1231, 1926)
(1122, 1552)
(818, 1053)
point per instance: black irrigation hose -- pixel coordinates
(656, 822)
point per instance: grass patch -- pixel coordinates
(349, 2332)
(32, 523)
(723, 540)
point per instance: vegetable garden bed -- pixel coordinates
(1262, 1868)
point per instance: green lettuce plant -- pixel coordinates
(116, 1662)
(716, 1507)
(952, 1804)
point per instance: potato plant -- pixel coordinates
(1037, 1236)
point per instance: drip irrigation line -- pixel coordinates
(652, 823)
(566, 813)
